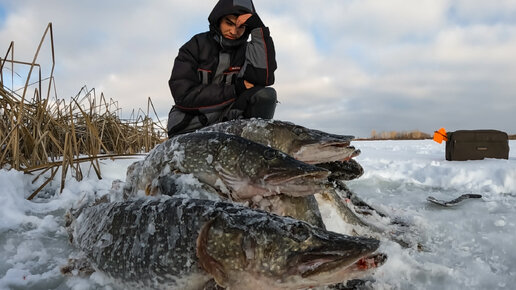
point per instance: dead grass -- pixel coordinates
(405, 135)
(45, 133)
(395, 135)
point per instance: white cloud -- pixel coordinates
(484, 11)
(478, 44)
(135, 40)
(344, 66)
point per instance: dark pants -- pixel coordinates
(258, 102)
(254, 103)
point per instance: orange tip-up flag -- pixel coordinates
(440, 135)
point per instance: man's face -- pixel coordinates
(229, 29)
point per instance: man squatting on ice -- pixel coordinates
(219, 75)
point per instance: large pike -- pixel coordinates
(307, 145)
(184, 243)
(322, 149)
(237, 167)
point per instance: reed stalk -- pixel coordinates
(47, 133)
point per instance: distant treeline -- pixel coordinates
(405, 135)
(395, 135)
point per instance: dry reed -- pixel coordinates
(47, 133)
(396, 135)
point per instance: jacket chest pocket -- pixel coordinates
(205, 76)
(230, 75)
(227, 78)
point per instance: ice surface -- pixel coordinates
(469, 246)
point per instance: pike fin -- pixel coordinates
(235, 185)
(206, 261)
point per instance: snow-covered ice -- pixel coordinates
(470, 246)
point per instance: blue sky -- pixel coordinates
(2, 15)
(345, 66)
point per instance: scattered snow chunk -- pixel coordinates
(500, 223)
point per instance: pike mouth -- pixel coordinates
(280, 177)
(326, 152)
(297, 185)
(315, 264)
(281, 181)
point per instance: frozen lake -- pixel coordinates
(469, 246)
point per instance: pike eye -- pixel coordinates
(298, 131)
(270, 154)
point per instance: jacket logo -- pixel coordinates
(234, 68)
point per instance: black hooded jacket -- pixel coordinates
(198, 83)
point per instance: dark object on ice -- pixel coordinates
(476, 145)
(184, 243)
(452, 202)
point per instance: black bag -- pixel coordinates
(477, 145)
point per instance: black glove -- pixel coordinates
(254, 22)
(234, 114)
(240, 87)
(243, 100)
